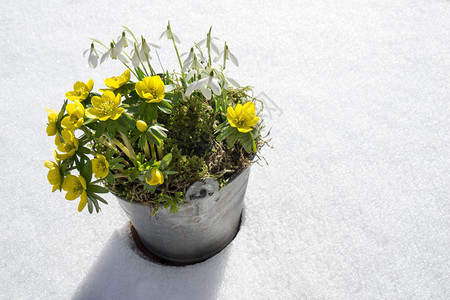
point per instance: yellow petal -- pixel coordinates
(96, 101)
(51, 114)
(49, 164)
(92, 113)
(71, 108)
(51, 129)
(69, 182)
(115, 114)
(244, 129)
(249, 108)
(83, 201)
(82, 181)
(252, 122)
(126, 75)
(112, 83)
(231, 114)
(79, 85)
(90, 85)
(238, 109)
(117, 100)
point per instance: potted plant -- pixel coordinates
(174, 147)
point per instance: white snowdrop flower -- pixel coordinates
(170, 35)
(228, 56)
(93, 56)
(123, 42)
(192, 62)
(205, 85)
(110, 53)
(225, 80)
(213, 45)
(142, 53)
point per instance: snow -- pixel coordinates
(354, 201)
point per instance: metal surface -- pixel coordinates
(203, 226)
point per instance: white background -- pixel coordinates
(354, 203)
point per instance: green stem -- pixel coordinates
(127, 142)
(179, 61)
(147, 150)
(152, 148)
(123, 148)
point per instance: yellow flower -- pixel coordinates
(100, 166)
(52, 119)
(54, 175)
(156, 177)
(243, 117)
(151, 88)
(116, 82)
(141, 126)
(76, 187)
(106, 107)
(75, 118)
(80, 91)
(69, 144)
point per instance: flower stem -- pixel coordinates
(123, 148)
(147, 150)
(127, 142)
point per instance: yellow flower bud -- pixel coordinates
(142, 126)
(157, 177)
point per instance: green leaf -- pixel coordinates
(90, 208)
(97, 197)
(169, 172)
(165, 106)
(110, 178)
(159, 131)
(86, 171)
(232, 139)
(167, 158)
(247, 141)
(226, 133)
(100, 129)
(97, 189)
(110, 128)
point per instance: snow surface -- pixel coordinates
(354, 203)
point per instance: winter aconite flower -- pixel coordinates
(116, 82)
(100, 166)
(243, 117)
(76, 187)
(156, 177)
(54, 175)
(52, 119)
(75, 112)
(106, 107)
(80, 91)
(151, 89)
(69, 144)
(141, 126)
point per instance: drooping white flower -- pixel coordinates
(192, 62)
(110, 53)
(169, 35)
(205, 85)
(226, 53)
(93, 56)
(225, 81)
(123, 42)
(209, 40)
(141, 52)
